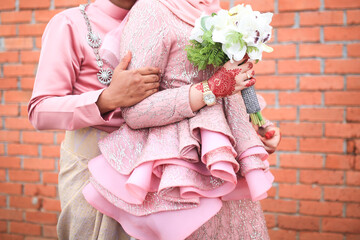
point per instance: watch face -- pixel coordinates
(209, 98)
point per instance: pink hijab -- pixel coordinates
(190, 10)
(187, 10)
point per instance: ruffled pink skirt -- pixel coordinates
(180, 191)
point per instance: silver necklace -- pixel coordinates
(93, 39)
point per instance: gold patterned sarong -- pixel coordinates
(78, 220)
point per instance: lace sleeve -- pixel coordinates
(149, 38)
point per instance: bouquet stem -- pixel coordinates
(252, 106)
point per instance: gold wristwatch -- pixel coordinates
(208, 96)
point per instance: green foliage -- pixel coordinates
(206, 53)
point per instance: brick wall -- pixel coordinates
(311, 83)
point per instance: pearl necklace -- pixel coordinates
(93, 39)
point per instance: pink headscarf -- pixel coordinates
(190, 10)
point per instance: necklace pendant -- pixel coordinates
(104, 76)
(93, 39)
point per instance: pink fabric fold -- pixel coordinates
(158, 226)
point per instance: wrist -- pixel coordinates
(105, 103)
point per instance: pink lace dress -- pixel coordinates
(192, 178)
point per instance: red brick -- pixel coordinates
(19, 70)
(39, 164)
(40, 190)
(38, 137)
(275, 82)
(353, 146)
(287, 144)
(321, 208)
(323, 177)
(18, 43)
(10, 188)
(344, 162)
(284, 175)
(342, 194)
(269, 98)
(9, 110)
(24, 202)
(350, 98)
(279, 206)
(9, 57)
(342, 33)
(342, 225)
(301, 129)
(304, 34)
(349, 130)
(49, 231)
(51, 151)
(25, 228)
(353, 83)
(23, 149)
(50, 204)
(7, 214)
(352, 236)
(30, 56)
(262, 6)
(50, 177)
(24, 176)
(282, 51)
(285, 5)
(335, 4)
(353, 178)
(4, 236)
(18, 124)
(7, 5)
(2, 175)
(321, 50)
(270, 220)
(9, 83)
(265, 67)
(304, 161)
(321, 18)
(16, 17)
(299, 98)
(353, 114)
(34, 4)
(31, 29)
(280, 114)
(17, 96)
(320, 236)
(321, 145)
(10, 162)
(298, 222)
(7, 30)
(27, 83)
(299, 191)
(9, 136)
(353, 17)
(286, 19)
(282, 234)
(68, 3)
(322, 114)
(3, 201)
(41, 217)
(321, 83)
(3, 226)
(60, 136)
(45, 15)
(299, 66)
(342, 66)
(353, 210)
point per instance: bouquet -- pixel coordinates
(229, 35)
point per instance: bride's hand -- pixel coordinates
(270, 136)
(232, 78)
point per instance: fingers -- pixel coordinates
(125, 61)
(151, 86)
(148, 70)
(150, 78)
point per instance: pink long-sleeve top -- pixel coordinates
(66, 87)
